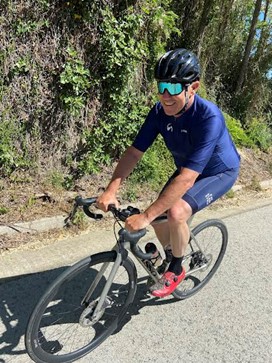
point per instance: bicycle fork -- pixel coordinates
(104, 293)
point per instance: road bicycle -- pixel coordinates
(88, 301)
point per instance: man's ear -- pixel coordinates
(195, 86)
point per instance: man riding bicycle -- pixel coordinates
(206, 160)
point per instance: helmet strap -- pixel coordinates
(184, 108)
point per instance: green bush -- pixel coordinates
(75, 79)
(12, 155)
(239, 135)
(259, 133)
(3, 210)
(203, 90)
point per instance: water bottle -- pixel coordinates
(156, 258)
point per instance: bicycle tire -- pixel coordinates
(210, 234)
(58, 329)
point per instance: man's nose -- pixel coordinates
(166, 94)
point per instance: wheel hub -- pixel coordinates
(199, 260)
(87, 317)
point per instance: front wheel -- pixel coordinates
(204, 254)
(66, 323)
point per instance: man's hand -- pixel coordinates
(136, 222)
(105, 200)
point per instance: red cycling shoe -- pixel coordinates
(167, 284)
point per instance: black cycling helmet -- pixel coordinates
(178, 66)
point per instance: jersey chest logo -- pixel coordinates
(169, 127)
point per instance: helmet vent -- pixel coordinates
(179, 65)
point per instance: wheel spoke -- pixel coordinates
(62, 326)
(205, 252)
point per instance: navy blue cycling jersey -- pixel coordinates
(198, 140)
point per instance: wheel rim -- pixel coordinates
(211, 239)
(66, 328)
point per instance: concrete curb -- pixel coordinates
(43, 224)
(57, 222)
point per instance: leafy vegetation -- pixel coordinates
(77, 78)
(239, 135)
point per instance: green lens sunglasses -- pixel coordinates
(173, 88)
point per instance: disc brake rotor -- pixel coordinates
(87, 318)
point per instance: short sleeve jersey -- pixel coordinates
(198, 140)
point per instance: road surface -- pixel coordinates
(230, 320)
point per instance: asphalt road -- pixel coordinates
(230, 320)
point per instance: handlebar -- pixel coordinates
(85, 204)
(122, 214)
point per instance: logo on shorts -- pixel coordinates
(209, 198)
(184, 131)
(169, 127)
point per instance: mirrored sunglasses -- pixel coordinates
(173, 88)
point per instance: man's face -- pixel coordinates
(173, 104)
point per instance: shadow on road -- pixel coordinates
(18, 296)
(143, 299)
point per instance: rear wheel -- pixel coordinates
(63, 327)
(204, 254)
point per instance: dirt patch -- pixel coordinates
(24, 198)
(256, 166)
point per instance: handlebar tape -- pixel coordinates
(138, 252)
(86, 203)
(91, 214)
(133, 238)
